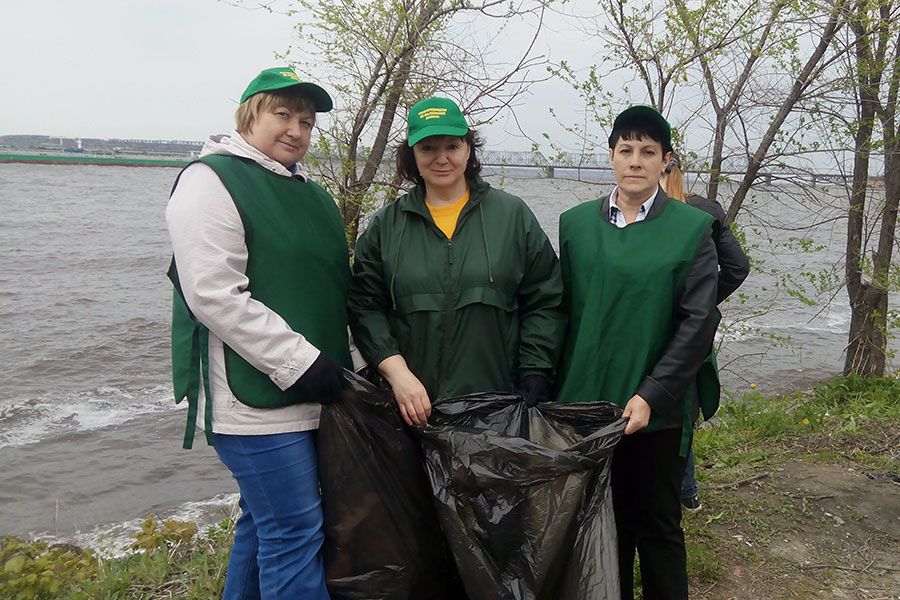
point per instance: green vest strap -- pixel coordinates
(708, 387)
(190, 361)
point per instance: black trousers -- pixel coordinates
(646, 485)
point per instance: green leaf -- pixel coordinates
(14, 565)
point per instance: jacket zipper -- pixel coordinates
(448, 311)
(447, 320)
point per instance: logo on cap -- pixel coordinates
(432, 113)
(289, 75)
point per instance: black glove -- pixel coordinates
(535, 388)
(323, 381)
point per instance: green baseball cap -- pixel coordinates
(279, 78)
(641, 113)
(435, 116)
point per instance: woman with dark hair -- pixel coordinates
(640, 274)
(734, 266)
(456, 288)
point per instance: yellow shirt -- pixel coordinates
(445, 217)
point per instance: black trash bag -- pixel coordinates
(523, 495)
(382, 536)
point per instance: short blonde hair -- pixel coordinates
(262, 102)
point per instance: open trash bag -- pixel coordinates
(382, 537)
(523, 495)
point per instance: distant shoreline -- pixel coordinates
(91, 159)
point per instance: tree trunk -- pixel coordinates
(868, 326)
(866, 348)
(862, 328)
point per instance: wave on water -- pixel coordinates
(837, 327)
(114, 540)
(99, 350)
(32, 420)
(831, 322)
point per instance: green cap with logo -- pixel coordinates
(435, 116)
(279, 78)
(641, 113)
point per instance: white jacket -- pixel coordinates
(208, 242)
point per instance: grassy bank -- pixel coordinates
(170, 561)
(800, 497)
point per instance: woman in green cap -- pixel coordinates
(261, 270)
(456, 288)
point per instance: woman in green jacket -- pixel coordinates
(456, 288)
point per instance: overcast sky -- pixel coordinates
(166, 69)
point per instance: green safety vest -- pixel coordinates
(622, 286)
(298, 266)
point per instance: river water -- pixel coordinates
(89, 435)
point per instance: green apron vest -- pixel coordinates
(298, 266)
(623, 287)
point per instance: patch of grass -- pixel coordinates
(38, 570)
(704, 561)
(847, 418)
(874, 398)
(880, 463)
(824, 456)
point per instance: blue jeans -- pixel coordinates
(688, 481)
(276, 554)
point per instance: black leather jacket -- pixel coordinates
(734, 266)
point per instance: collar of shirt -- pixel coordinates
(617, 218)
(296, 170)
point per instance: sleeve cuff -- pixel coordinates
(655, 395)
(293, 368)
(381, 356)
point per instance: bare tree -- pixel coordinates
(822, 57)
(385, 55)
(738, 70)
(753, 30)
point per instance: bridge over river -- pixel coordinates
(563, 164)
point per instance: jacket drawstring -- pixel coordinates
(397, 259)
(487, 250)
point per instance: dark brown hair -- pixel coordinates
(406, 159)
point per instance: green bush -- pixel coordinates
(34, 571)
(172, 561)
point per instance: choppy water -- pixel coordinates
(89, 436)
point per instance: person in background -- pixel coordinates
(261, 269)
(456, 288)
(640, 275)
(734, 266)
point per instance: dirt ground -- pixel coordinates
(801, 530)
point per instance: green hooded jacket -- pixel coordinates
(472, 313)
